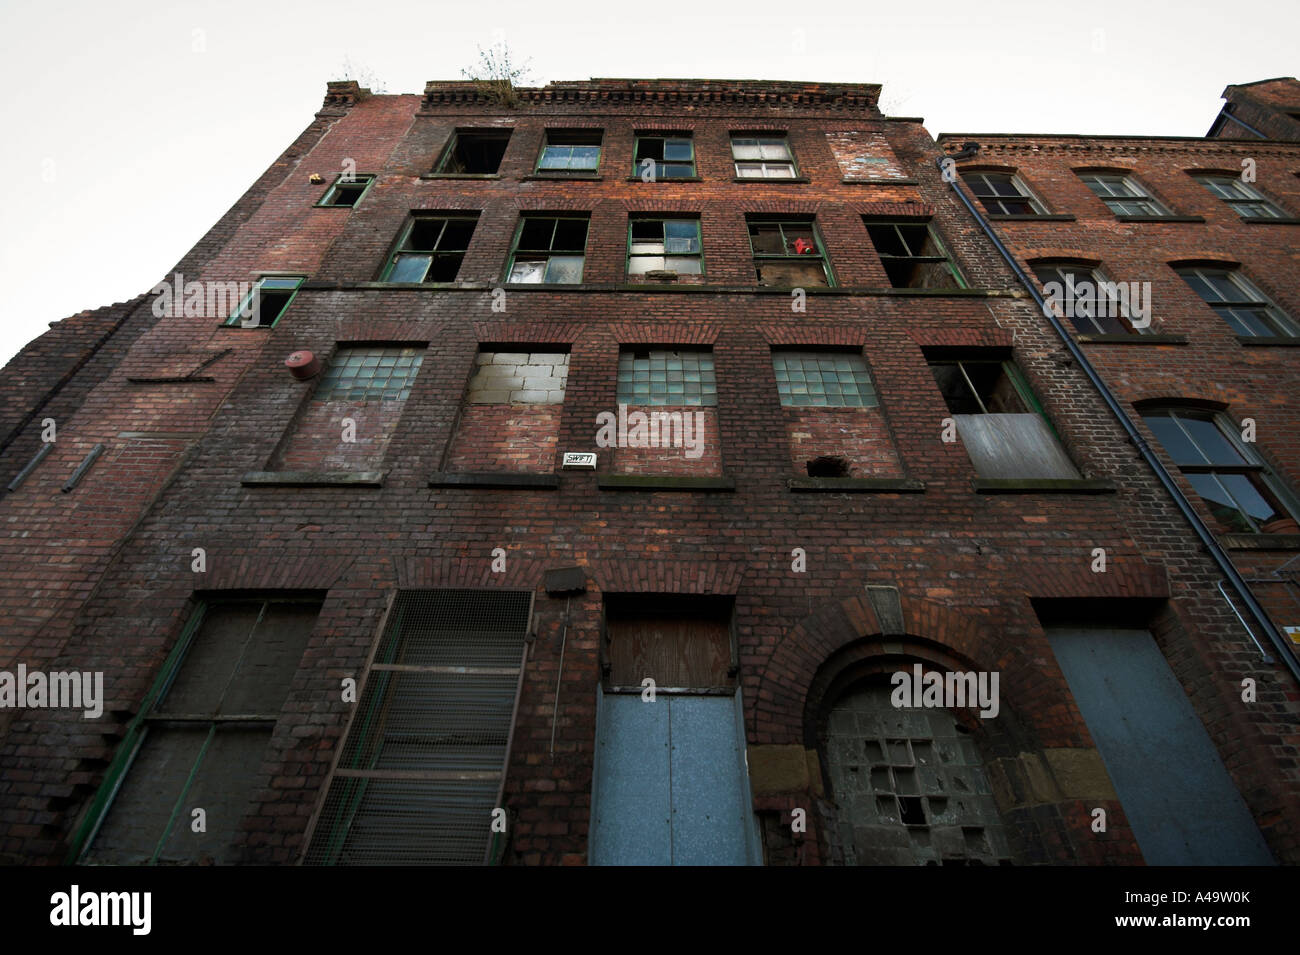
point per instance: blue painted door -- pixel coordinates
(1179, 798)
(670, 783)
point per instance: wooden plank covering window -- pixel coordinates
(686, 643)
(423, 763)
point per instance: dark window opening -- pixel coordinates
(347, 191)
(912, 255)
(475, 154)
(788, 253)
(431, 250)
(269, 298)
(664, 157)
(549, 250)
(828, 466)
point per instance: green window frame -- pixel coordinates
(1231, 478)
(669, 156)
(763, 156)
(470, 152)
(1244, 199)
(1123, 195)
(189, 697)
(1245, 308)
(430, 250)
(548, 250)
(781, 246)
(570, 151)
(974, 387)
(267, 301)
(347, 191)
(1003, 194)
(912, 254)
(659, 244)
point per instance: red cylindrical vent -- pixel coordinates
(302, 365)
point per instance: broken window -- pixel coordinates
(661, 377)
(909, 785)
(267, 301)
(788, 253)
(912, 255)
(200, 742)
(474, 153)
(664, 157)
(570, 150)
(1122, 195)
(549, 249)
(1085, 296)
(824, 379)
(1245, 308)
(430, 250)
(346, 190)
(422, 767)
(1228, 474)
(1245, 199)
(1002, 426)
(763, 157)
(664, 245)
(370, 373)
(1003, 194)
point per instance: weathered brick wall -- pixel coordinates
(858, 435)
(1268, 107)
(967, 565)
(506, 437)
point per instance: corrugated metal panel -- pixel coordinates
(671, 786)
(1013, 446)
(1179, 799)
(421, 768)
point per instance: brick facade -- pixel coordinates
(104, 577)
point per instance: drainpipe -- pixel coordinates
(1206, 537)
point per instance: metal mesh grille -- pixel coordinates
(422, 765)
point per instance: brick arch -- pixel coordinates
(1055, 255)
(1206, 395)
(787, 681)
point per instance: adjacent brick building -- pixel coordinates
(352, 603)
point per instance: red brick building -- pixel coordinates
(590, 464)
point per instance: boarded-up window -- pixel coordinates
(677, 642)
(424, 760)
(200, 745)
(1000, 422)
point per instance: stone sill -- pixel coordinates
(460, 175)
(313, 479)
(654, 287)
(1161, 218)
(770, 182)
(1042, 486)
(1030, 218)
(496, 479)
(1284, 340)
(1267, 220)
(1260, 541)
(857, 485)
(663, 482)
(1123, 339)
(880, 182)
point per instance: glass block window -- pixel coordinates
(430, 250)
(366, 374)
(672, 244)
(763, 157)
(1003, 194)
(666, 378)
(824, 379)
(1245, 308)
(664, 157)
(1122, 195)
(1248, 202)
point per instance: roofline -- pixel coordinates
(1237, 86)
(1109, 138)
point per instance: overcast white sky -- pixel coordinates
(131, 127)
